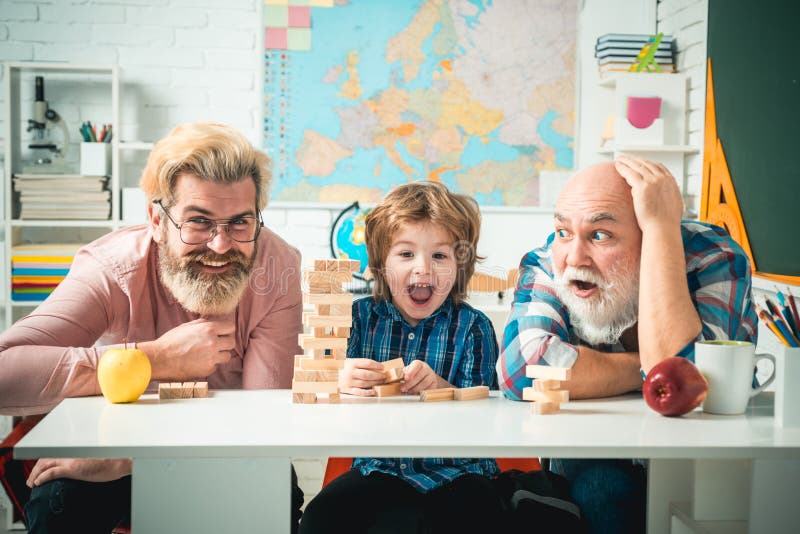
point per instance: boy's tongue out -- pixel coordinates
(420, 294)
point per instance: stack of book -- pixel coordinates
(616, 52)
(36, 270)
(62, 196)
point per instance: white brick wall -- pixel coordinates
(686, 20)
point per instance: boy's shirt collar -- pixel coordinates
(385, 308)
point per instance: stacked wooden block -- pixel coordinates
(182, 390)
(324, 344)
(546, 392)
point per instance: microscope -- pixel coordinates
(44, 119)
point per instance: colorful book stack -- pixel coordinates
(36, 270)
(616, 52)
(62, 196)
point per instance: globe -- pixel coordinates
(347, 235)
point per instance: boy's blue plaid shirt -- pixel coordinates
(459, 344)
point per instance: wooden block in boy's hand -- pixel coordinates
(393, 375)
(436, 395)
(387, 390)
(553, 395)
(547, 372)
(395, 363)
(545, 408)
(472, 393)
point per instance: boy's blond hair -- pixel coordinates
(424, 202)
(212, 152)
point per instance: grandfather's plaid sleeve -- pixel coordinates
(718, 274)
(537, 331)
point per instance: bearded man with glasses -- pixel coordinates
(203, 289)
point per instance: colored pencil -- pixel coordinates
(764, 316)
(794, 308)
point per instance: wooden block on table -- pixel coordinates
(546, 385)
(327, 299)
(342, 309)
(316, 375)
(547, 372)
(339, 354)
(313, 365)
(200, 390)
(187, 390)
(553, 395)
(315, 387)
(395, 363)
(341, 331)
(393, 374)
(471, 393)
(334, 398)
(545, 408)
(166, 391)
(352, 266)
(436, 395)
(387, 390)
(304, 398)
(307, 342)
(322, 309)
(328, 321)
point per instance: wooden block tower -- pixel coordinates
(546, 392)
(327, 330)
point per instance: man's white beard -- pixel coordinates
(200, 292)
(605, 316)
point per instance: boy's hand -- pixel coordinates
(359, 375)
(419, 376)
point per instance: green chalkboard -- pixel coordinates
(755, 60)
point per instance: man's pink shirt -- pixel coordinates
(113, 292)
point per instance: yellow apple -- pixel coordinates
(123, 374)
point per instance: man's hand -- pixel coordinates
(656, 196)
(191, 350)
(89, 470)
(359, 375)
(419, 376)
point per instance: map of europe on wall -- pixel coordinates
(477, 94)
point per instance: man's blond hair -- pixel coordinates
(210, 151)
(424, 202)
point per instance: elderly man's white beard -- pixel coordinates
(605, 316)
(203, 293)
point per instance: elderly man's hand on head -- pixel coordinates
(656, 197)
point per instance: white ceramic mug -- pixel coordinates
(729, 368)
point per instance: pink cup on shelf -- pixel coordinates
(643, 110)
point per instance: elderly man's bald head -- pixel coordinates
(599, 182)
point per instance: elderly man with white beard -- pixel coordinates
(204, 289)
(621, 284)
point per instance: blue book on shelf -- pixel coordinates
(39, 272)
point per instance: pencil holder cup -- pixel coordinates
(787, 387)
(96, 159)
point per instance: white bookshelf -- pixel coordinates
(86, 93)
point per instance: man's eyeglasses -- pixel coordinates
(199, 230)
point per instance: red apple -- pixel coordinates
(674, 386)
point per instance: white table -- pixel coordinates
(223, 463)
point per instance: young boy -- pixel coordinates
(421, 241)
